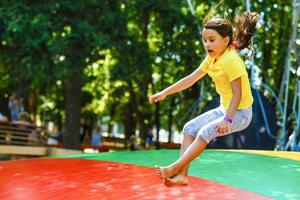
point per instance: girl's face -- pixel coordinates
(214, 43)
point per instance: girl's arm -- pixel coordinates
(180, 85)
(236, 87)
(185, 83)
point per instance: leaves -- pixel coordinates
(124, 50)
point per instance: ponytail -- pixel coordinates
(245, 28)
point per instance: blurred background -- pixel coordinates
(78, 74)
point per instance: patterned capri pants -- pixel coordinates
(205, 124)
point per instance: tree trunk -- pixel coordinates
(129, 123)
(170, 118)
(32, 106)
(72, 103)
(111, 114)
(143, 127)
(157, 123)
(59, 122)
(141, 116)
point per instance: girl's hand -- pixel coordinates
(223, 127)
(157, 97)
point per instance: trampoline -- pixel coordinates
(216, 174)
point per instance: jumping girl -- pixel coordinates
(226, 68)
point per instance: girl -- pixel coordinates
(228, 71)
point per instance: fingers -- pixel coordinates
(156, 98)
(151, 99)
(222, 128)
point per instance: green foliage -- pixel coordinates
(124, 50)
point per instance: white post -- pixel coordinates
(286, 78)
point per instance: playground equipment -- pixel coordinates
(283, 142)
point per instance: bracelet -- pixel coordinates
(228, 119)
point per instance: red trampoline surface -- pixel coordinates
(92, 179)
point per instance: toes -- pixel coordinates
(168, 182)
(158, 171)
(175, 181)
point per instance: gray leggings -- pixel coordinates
(205, 124)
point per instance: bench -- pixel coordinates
(14, 133)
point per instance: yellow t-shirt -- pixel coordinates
(228, 67)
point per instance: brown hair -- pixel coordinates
(245, 26)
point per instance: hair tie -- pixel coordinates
(234, 44)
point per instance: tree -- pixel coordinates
(53, 41)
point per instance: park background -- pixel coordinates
(100, 60)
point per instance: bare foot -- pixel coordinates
(178, 180)
(163, 172)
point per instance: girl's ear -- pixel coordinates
(227, 39)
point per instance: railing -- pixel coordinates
(18, 133)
